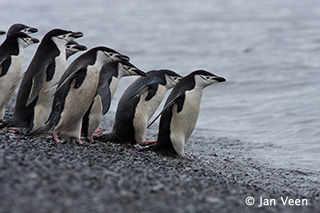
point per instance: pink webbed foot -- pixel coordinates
(13, 129)
(56, 138)
(79, 141)
(97, 132)
(90, 139)
(145, 143)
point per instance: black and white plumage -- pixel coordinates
(21, 28)
(180, 113)
(137, 105)
(11, 56)
(76, 91)
(34, 100)
(73, 47)
(110, 76)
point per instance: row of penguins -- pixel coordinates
(71, 101)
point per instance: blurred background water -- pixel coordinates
(269, 52)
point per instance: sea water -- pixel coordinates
(269, 52)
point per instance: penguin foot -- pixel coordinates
(145, 143)
(13, 129)
(79, 141)
(56, 138)
(90, 139)
(97, 132)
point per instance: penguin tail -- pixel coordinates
(110, 137)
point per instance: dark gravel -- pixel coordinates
(39, 175)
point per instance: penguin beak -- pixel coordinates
(140, 72)
(219, 79)
(76, 34)
(32, 30)
(136, 71)
(81, 47)
(34, 40)
(123, 57)
(2, 32)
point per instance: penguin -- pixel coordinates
(110, 76)
(137, 105)
(73, 47)
(180, 113)
(21, 28)
(11, 55)
(76, 91)
(34, 100)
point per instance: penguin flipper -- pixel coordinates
(167, 106)
(37, 82)
(69, 76)
(104, 92)
(145, 88)
(4, 66)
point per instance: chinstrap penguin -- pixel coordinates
(137, 105)
(180, 113)
(110, 76)
(11, 56)
(76, 91)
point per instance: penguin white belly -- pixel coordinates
(45, 98)
(114, 85)
(7, 82)
(77, 103)
(183, 123)
(145, 110)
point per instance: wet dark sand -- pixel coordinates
(39, 175)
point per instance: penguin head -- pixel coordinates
(204, 78)
(73, 47)
(62, 37)
(23, 39)
(126, 69)
(111, 55)
(21, 28)
(172, 78)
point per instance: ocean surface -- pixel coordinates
(269, 52)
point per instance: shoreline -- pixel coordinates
(38, 175)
